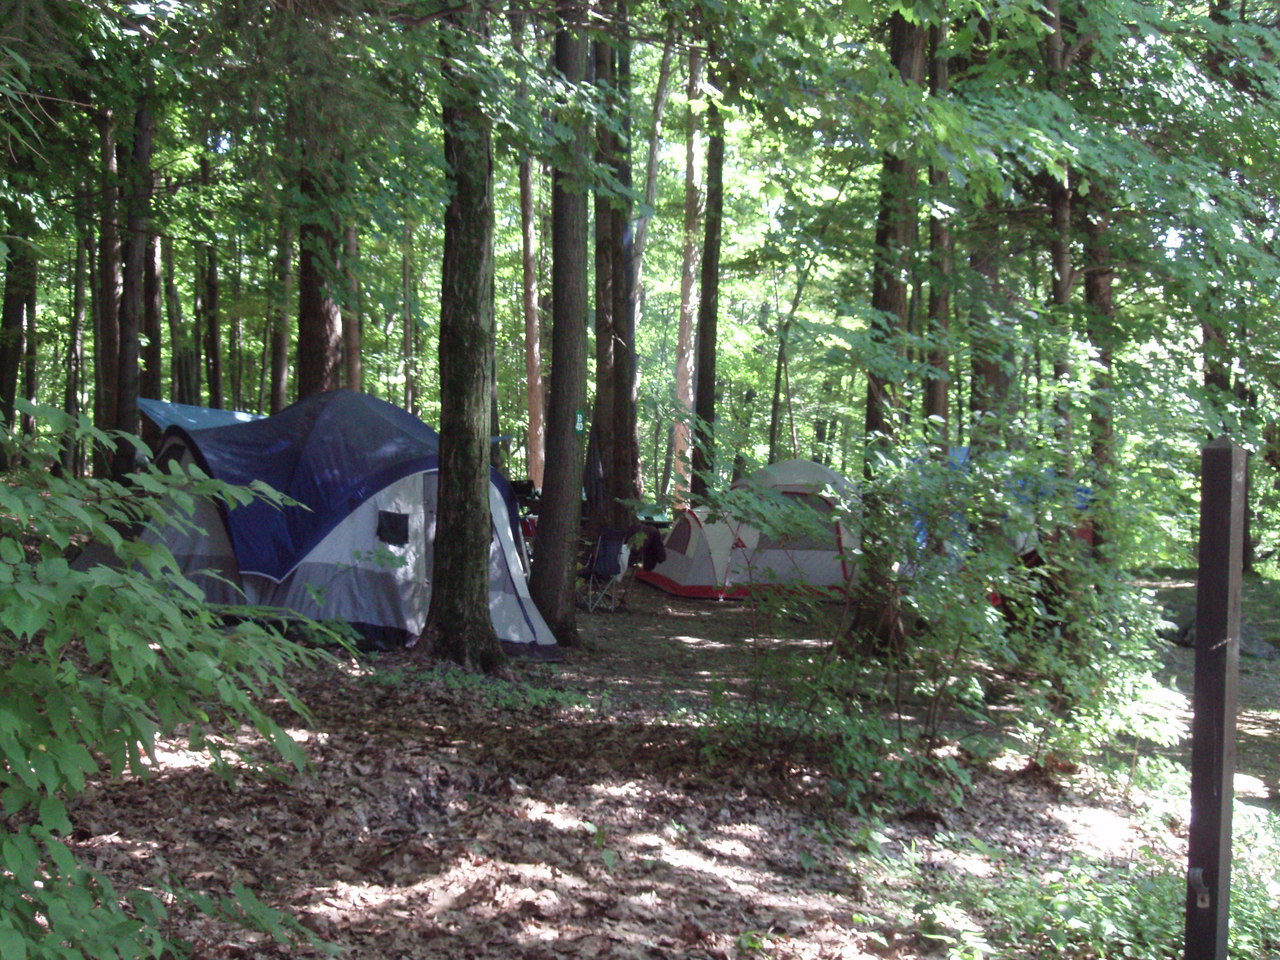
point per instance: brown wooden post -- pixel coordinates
(1213, 727)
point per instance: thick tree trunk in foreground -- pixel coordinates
(459, 621)
(554, 566)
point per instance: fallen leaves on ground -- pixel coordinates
(434, 821)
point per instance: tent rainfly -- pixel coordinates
(725, 556)
(358, 544)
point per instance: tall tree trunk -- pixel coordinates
(1060, 203)
(1099, 299)
(235, 349)
(151, 382)
(534, 393)
(628, 483)
(535, 396)
(661, 93)
(75, 343)
(408, 296)
(319, 320)
(184, 369)
(704, 396)
(937, 383)
(991, 341)
(351, 318)
(110, 280)
(878, 621)
(602, 420)
(138, 180)
(554, 566)
(459, 619)
(19, 281)
(895, 235)
(281, 299)
(682, 438)
(29, 358)
(212, 324)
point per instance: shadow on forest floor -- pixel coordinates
(445, 816)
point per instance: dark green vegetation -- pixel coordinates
(721, 234)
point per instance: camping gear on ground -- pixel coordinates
(603, 579)
(718, 556)
(357, 546)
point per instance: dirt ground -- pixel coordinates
(447, 817)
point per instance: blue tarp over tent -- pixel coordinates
(165, 414)
(330, 452)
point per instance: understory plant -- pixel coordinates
(1008, 617)
(97, 660)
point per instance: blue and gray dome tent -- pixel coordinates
(358, 544)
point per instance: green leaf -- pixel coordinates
(11, 551)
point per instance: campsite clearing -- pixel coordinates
(586, 813)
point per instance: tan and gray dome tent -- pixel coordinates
(721, 556)
(358, 545)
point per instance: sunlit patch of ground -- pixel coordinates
(436, 820)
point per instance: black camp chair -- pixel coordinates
(604, 578)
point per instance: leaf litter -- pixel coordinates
(445, 816)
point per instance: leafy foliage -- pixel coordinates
(96, 661)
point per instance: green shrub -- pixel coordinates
(95, 664)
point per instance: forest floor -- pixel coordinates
(582, 811)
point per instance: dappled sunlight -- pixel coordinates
(1099, 831)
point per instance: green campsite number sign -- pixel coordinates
(579, 423)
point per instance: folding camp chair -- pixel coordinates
(604, 577)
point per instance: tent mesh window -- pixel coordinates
(811, 536)
(393, 528)
(680, 536)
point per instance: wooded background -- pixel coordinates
(845, 231)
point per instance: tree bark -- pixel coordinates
(351, 318)
(29, 357)
(1060, 211)
(138, 180)
(704, 399)
(534, 394)
(991, 347)
(110, 280)
(212, 324)
(319, 351)
(282, 296)
(151, 382)
(1099, 298)
(184, 369)
(459, 621)
(409, 303)
(554, 566)
(19, 281)
(602, 418)
(75, 343)
(682, 436)
(937, 411)
(895, 236)
(628, 482)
